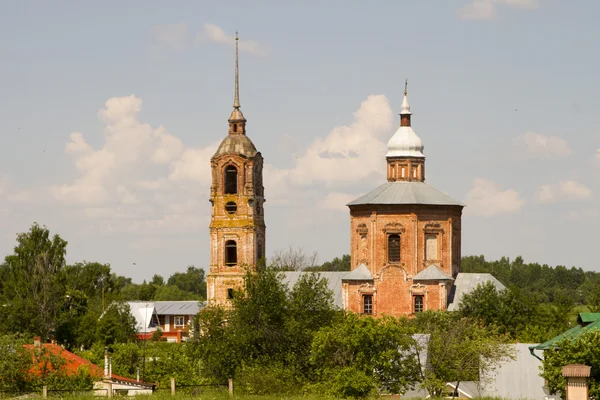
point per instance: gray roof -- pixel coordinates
(178, 307)
(519, 378)
(146, 312)
(432, 273)
(466, 283)
(405, 193)
(236, 144)
(360, 273)
(334, 282)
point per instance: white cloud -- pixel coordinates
(541, 146)
(486, 199)
(566, 190)
(488, 9)
(337, 201)
(138, 174)
(215, 34)
(172, 36)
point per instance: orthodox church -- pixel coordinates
(405, 235)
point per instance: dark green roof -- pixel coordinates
(591, 322)
(587, 317)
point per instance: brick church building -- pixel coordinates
(405, 236)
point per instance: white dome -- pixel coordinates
(405, 143)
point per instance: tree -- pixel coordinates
(359, 355)
(458, 350)
(157, 280)
(116, 325)
(15, 363)
(583, 349)
(193, 280)
(514, 313)
(293, 259)
(33, 282)
(337, 264)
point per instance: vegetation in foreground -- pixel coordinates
(277, 340)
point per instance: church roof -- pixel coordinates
(236, 144)
(432, 273)
(360, 273)
(403, 192)
(334, 282)
(466, 283)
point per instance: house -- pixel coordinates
(172, 318)
(104, 380)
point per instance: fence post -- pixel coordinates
(45, 391)
(109, 389)
(172, 386)
(230, 387)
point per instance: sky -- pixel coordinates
(110, 112)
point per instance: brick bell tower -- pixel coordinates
(237, 228)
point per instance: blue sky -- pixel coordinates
(111, 112)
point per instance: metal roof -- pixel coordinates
(236, 144)
(334, 282)
(517, 379)
(405, 193)
(465, 283)
(360, 273)
(178, 307)
(574, 332)
(432, 273)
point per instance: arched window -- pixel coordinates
(393, 248)
(230, 252)
(235, 127)
(418, 303)
(231, 180)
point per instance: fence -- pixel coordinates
(109, 389)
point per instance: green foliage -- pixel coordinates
(459, 350)
(116, 325)
(582, 350)
(192, 281)
(32, 283)
(266, 336)
(15, 363)
(381, 350)
(514, 313)
(337, 264)
(540, 282)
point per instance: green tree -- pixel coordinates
(15, 363)
(116, 325)
(33, 282)
(337, 264)
(583, 349)
(193, 280)
(360, 355)
(458, 350)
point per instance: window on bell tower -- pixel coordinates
(230, 252)
(231, 180)
(393, 248)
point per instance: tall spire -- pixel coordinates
(236, 114)
(236, 100)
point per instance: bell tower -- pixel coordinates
(237, 228)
